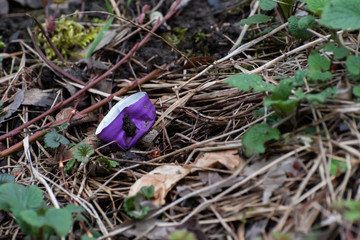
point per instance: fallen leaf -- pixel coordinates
(12, 107)
(207, 178)
(65, 114)
(38, 97)
(163, 179)
(229, 158)
(276, 175)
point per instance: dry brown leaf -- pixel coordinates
(275, 176)
(38, 97)
(229, 158)
(163, 179)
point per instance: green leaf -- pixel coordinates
(271, 120)
(299, 77)
(2, 44)
(70, 164)
(295, 30)
(356, 91)
(107, 163)
(182, 234)
(306, 22)
(316, 97)
(351, 207)
(60, 220)
(282, 107)
(257, 18)
(132, 204)
(335, 164)
(267, 5)
(317, 6)
(15, 197)
(352, 216)
(128, 2)
(286, 7)
(318, 62)
(319, 75)
(255, 138)
(63, 126)
(98, 38)
(283, 90)
(53, 139)
(6, 178)
(147, 191)
(72, 208)
(108, 6)
(340, 14)
(82, 152)
(133, 209)
(249, 81)
(353, 64)
(339, 52)
(31, 217)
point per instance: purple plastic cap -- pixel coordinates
(127, 121)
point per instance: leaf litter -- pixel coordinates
(204, 181)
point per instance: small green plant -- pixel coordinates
(107, 164)
(53, 139)
(34, 217)
(67, 36)
(351, 209)
(285, 97)
(81, 153)
(176, 36)
(135, 206)
(200, 40)
(280, 100)
(298, 26)
(337, 166)
(256, 137)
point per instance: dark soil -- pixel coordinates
(207, 30)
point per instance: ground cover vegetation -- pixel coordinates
(256, 133)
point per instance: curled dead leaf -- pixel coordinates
(229, 158)
(163, 179)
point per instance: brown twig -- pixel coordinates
(18, 146)
(95, 80)
(70, 99)
(58, 54)
(51, 64)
